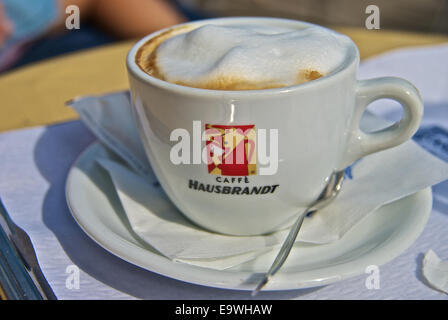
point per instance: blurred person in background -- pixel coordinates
(31, 30)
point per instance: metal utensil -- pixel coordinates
(331, 190)
(19, 268)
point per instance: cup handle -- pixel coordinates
(361, 143)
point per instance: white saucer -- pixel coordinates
(379, 238)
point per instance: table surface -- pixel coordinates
(44, 154)
(36, 94)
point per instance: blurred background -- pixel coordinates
(33, 30)
(416, 15)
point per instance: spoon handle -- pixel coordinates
(283, 253)
(328, 194)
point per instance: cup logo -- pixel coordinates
(231, 149)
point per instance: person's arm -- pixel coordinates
(127, 18)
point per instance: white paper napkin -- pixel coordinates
(435, 271)
(373, 181)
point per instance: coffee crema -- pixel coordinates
(242, 57)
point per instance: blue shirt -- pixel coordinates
(31, 18)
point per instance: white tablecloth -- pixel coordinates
(34, 164)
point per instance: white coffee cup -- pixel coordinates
(318, 133)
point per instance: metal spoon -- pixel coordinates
(328, 194)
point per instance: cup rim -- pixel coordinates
(352, 59)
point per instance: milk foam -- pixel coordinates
(249, 56)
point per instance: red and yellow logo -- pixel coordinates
(231, 150)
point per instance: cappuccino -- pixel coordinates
(316, 125)
(242, 57)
